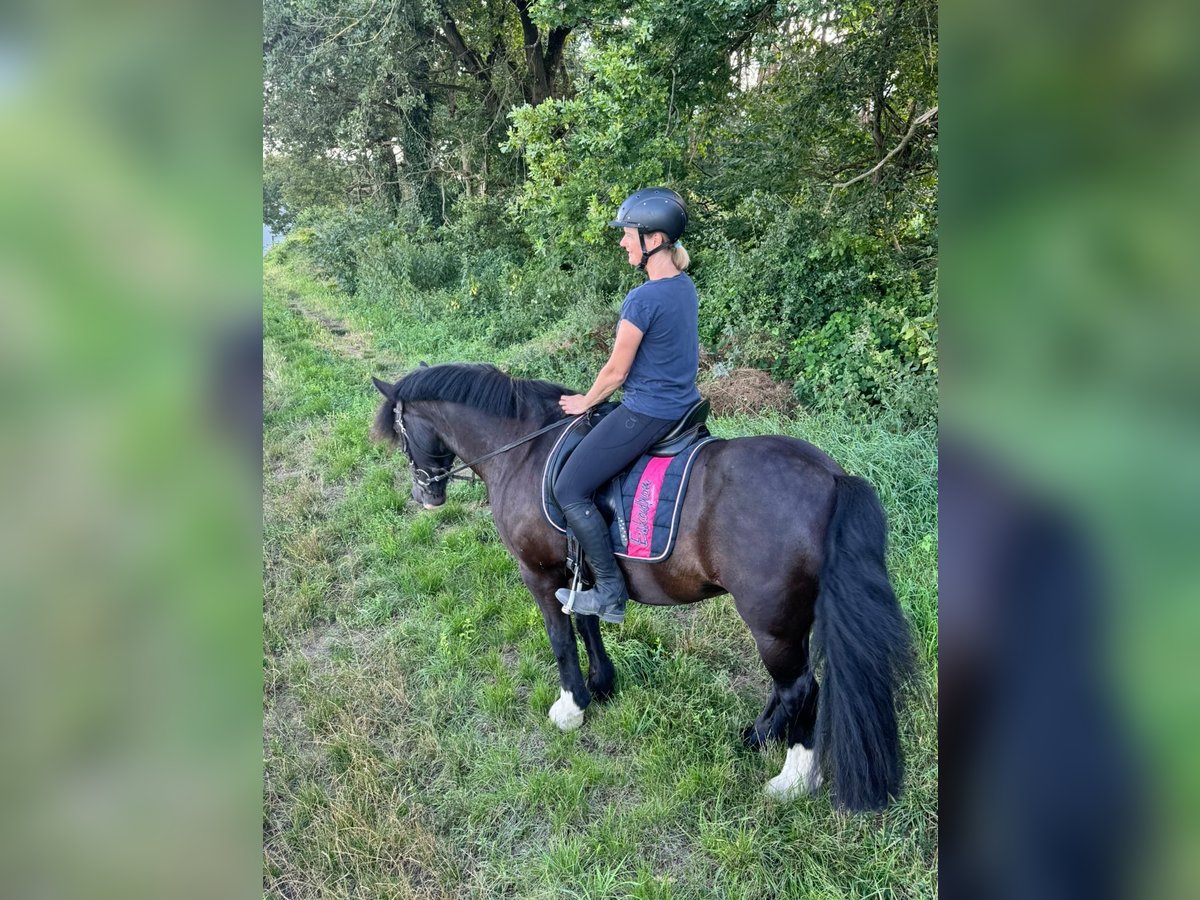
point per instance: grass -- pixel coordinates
(407, 677)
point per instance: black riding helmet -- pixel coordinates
(650, 210)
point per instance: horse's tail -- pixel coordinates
(864, 639)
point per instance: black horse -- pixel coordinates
(772, 520)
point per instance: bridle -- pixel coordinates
(424, 478)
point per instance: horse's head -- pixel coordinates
(428, 456)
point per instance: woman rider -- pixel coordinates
(655, 357)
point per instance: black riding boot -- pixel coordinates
(607, 598)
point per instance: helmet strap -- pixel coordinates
(646, 254)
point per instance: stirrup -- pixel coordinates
(576, 585)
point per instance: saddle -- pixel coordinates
(641, 504)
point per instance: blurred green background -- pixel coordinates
(130, 606)
(1070, 271)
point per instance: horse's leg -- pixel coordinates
(791, 712)
(767, 727)
(573, 696)
(601, 677)
(800, 772)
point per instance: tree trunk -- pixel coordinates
(544, 66)
(537, 85)
(391, 187)
(886, 61)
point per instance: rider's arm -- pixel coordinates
(616, 370)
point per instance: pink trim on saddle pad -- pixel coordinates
(645, 505)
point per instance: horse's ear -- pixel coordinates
(383, 386)
(424, 365)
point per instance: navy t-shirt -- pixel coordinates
(662, 380)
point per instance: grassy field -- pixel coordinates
(407, 677)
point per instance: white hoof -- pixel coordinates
(800, 775)
(565, 714)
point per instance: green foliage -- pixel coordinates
(831, 309)
(336, 239)
(853, 361)
(405, 264)
(584, 154)
(295, 183)
(473, 203)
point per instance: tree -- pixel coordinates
(803, 134)
(410, 98)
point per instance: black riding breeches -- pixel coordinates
(616, 441)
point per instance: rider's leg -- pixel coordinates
(615, 441)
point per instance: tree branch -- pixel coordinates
(917, 123)
(528, 30)
(751, 21)
(424, 83)
(500, 52)
(467, 57)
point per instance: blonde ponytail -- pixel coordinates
(679, 257)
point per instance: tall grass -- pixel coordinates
(407, 675)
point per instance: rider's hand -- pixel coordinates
(574, 404)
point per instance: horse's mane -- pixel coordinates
(485, 388)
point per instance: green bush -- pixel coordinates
(840, 313)
(339, 236)
(485, 223)
(404, 264)
(786, 289)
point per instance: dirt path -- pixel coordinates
(346, 341)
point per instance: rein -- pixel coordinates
(424, 478)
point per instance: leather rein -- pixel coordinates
(425, 478)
